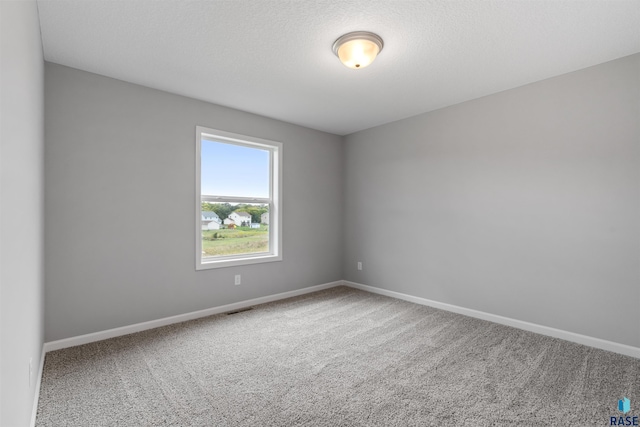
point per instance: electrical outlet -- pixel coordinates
(359, 265)
(30, 370)
(238, 279)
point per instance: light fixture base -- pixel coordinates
(358, 35)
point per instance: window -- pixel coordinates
(238, 199)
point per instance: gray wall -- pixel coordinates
(524, 204)
(119, 203)
(21, 205)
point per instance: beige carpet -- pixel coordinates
(340, 357)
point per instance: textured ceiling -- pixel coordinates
(274, 58)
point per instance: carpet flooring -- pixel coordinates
(339, 357)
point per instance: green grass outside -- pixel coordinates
(241, 240)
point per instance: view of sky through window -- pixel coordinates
(234, 170)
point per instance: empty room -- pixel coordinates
(319, 213)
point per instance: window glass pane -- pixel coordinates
(231, 229)
(234, 170)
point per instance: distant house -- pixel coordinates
(264, 218)
(240, 218)
(210, 220)
(255, 225)
(229, 221)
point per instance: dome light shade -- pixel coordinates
(358, 49)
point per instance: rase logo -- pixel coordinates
(624, 406)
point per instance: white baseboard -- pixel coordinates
(627, 350)
(125, 330)
(36, 396)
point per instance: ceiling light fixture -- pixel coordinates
(358, 49)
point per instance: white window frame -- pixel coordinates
(274, 200)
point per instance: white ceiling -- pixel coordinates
(274, 58)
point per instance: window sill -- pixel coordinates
(235, 262)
